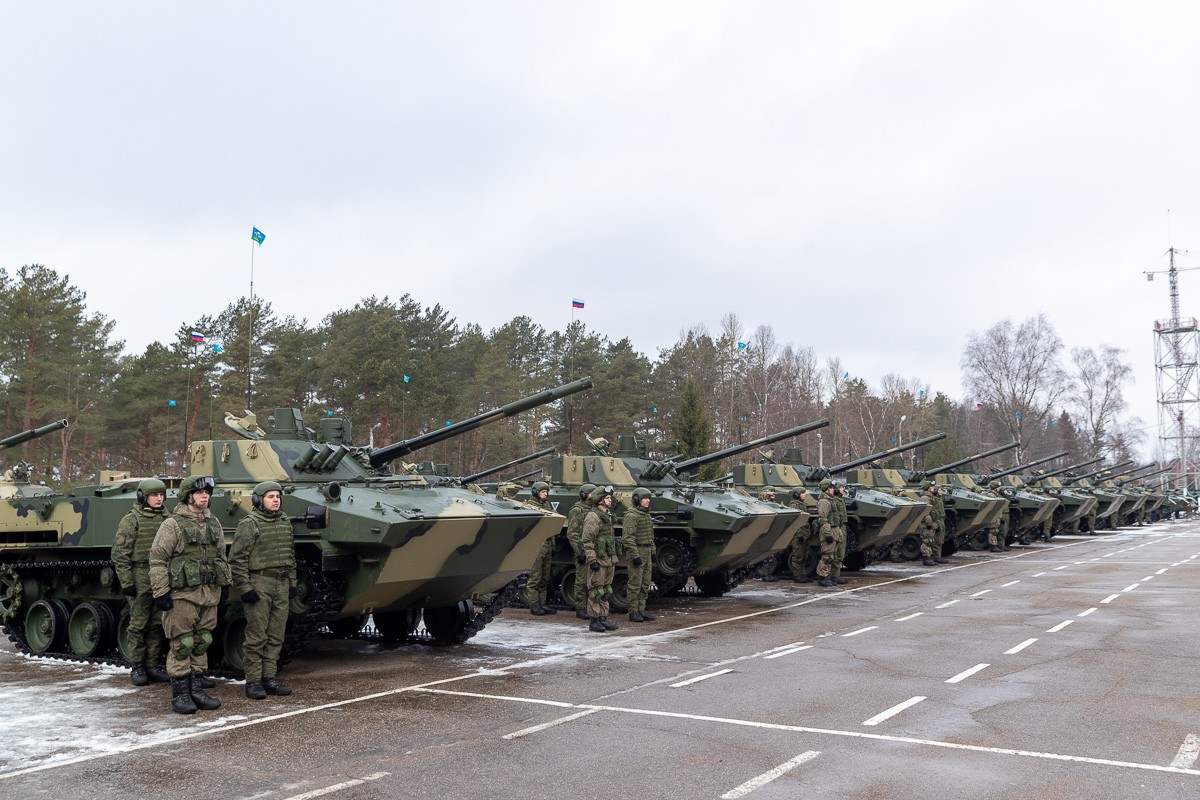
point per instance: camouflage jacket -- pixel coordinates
(937, 511)
(131, 547)
(637, 529)
(599, 541)
(575, 519)
(826, 515)
(263, 541)
(188, 557)
(839, 505)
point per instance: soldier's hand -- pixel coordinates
(291, 593)
(828, 539)
(594, 566)
(653, 556)
(250, 597)
(580, 559)
(164, 603)
(637, 561)
(129, 591)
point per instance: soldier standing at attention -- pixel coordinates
(575, 539)
(939, 519)
(263, 565)
(187, 570)
(638, 534)
(539, 573)
(131, 561)
(828, 531)
(935, 530)
(600, 549)
(839, 493)
(805, 544)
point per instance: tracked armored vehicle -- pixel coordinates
(1027, 511)
(1073, 506)
(17, 479)
(1108, 502)
(367, 541)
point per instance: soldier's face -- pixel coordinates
(272, 500)
(199, 498)
(644, 502)
(606, 501)
(156, 499)
(543, 494)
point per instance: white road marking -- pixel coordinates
(1010, 583)
(947, 605)
(1147, 578)
(337, 787)
(768, 776)
(1161, 571)
(966, 673)
(1188, 751)
(550, 724)
(860, 630)
(1064, 566)
(1108, 555)
(910, 616)
(1109, 599)
(1060, 626)
(1130, 587)
(789, 651)
(894, 710)
(1085, 613)
(982, 592)
(699, 678)
(1019, 647)
(1040, 574)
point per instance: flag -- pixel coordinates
(197, 337)
(218, 349)
(978, 406)
(406, 379)
(171, 403)
(257, 235)
(576, 303)
(741, 345)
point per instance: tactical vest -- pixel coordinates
(273, 547)
(203, 558)
(638, 528)
(605, 542)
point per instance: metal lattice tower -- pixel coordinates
(1177, 380)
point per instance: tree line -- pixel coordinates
(397, 369)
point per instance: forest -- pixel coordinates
(397, 368)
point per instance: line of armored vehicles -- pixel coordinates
(430, 557)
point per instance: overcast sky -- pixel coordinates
(874, 180)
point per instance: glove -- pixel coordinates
(250, 597)
(653, 557)
(291, 593)
(164, 603)
(637, 561)
(828, 540)
(129, 591)
(579, 559)
(594, 566)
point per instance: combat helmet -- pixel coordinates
(148, 487)
(539, 486)
(586, 490)
(260, 491)
(638, 494)
(196, 483)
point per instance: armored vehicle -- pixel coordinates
(1073, 506)
(367, 541)
(1108, 502)
(17, 479)
(1027, 511)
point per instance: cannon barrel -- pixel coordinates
(390, 452)
(691, 464)
(1142, 467)
(1052, 473)
(1097, 472)
(904, 448)
(32, 433)
(545, 451)
(1133, 478)
(955, 464)
(1026, 465)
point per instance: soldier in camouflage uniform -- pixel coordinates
(575, 539)
(638, 535)
(539, 574)
(601, 550)
(806, 544)
(829, 532)
(935, 536)
(839, 500)
(131, 561)
(262, 562)
(188, 567)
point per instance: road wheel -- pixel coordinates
(91, 630)
(396, 626)
(448, 623)
(46, 626)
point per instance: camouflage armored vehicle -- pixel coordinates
(1108, 502)
(1153, 498)
(1137, 502)
(710, 533)
(17, 479)
(1073, 506)
(367, 541)
(1027, 511)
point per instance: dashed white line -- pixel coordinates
(699, 678)
(1040, 574)
(1147, 578)
(1060, 626)
(1109, 599)
(1019, 647)
(550, 724)
(1064, 566)
(1161, 571)
(966, 673)
(1010, 583)
(893, 711)
(910, 616)
(981, 592)
(1130, 587)
(788, 652)
(337, 787)
(1085, 613)
(947, 605)
(1188, 752)
(768, 776)
(1108, 555)
(860, 630)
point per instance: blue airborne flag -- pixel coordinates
(257, 235)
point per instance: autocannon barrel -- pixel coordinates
(32, 433)
(545, 451)
(904, 448)
(1024, 466)
(1132, 478)
(699, 461)
(383, 455)
(962, 461)
(1061, 470)
(1097, 472)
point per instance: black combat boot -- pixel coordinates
(255, 690)
(537, 610)
(201, 698)
(647, 616)
(768, 578)
(839, 581)
(608, 626)
(825, 582)
(157, 674)
(275, 687)
(941, 560)
(597, 626)
(634, 616)
(198, 679)
(550, 610)
(995, 549)
(581, 614)
(138, 676)
(929, 562)
(181, 695)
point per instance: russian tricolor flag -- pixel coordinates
(197, 337)
(576, 303)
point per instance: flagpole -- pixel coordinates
(250, 337)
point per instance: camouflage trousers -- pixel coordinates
(830, 565)
(638, 587)
(144, 639)
(266, 622)
(841, 552)
(1092, 519)
(580, 589)
(189, 626)
(939, 540)
(599, 585)
(539, 576)
(801, 561)
(929, 542)
(1048, 529)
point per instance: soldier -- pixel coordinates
(539, 573)
(931, 546)
(131, 561)
(767, 494)
(600, 549)
(574, 533)
(806, 543)
(839, 495)
(829, 532)
(263, 566)
(638, 535)
(187, 570)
